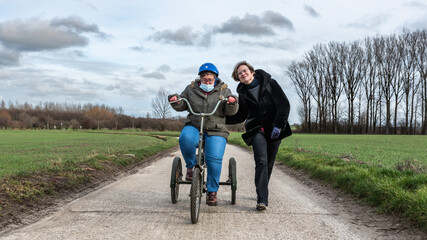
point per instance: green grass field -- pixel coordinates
(380, 150)
(388, 172)
(26, 151)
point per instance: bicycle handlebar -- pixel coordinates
(200, 114)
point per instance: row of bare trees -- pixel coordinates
(50, 115)
(376, 85)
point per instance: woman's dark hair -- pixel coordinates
(235, 76)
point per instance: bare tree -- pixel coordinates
(390, 69)
(74, 124)
(370, 84)
(298, 72)
(352, 62)
(161, 106)
(326, 106)
(334, 77)
(99, 115)
(312, 63)
(387, 58)
(378, 114)
(25, 119)
(422, 69)
(319, 89)
(410, 85)
(5, 118)
(397, 82)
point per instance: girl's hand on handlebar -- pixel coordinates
(231, 99)
(174, 99)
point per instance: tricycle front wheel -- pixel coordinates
(196, 195)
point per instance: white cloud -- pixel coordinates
(37, 35)
(311, 11)
(417, 4)
(164, 68)
(75, 24)
(369, 21)
(418, 23)
(250, 25)
(182, 36)
(8, 57)
(284, 44)
(154, 75)
(277, 19)
(120, 53)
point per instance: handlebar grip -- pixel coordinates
(199, 114)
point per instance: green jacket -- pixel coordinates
(213, 125)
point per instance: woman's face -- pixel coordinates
(245, 75)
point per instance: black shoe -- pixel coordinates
(261, 207)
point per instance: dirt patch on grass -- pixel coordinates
(45, 193)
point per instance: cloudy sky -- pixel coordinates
(120, 53)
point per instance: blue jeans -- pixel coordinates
(214, 151)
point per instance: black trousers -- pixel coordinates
(264, 155)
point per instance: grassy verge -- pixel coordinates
(381, 150)
(37, 164)
(393, 189)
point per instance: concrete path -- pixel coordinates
(139, 207)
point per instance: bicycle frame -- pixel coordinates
(198, 186)
(199, 158)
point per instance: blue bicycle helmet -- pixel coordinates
(208, 67)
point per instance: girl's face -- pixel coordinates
(207, 78)
(245, 75)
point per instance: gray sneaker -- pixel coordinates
(261, 207)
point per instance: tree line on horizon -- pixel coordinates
(374, 85)
(64, 116)
(51, 115)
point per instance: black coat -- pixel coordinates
(271, 109)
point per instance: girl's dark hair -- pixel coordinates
(235, 76)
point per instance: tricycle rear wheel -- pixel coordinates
(233, 178)
(176, 176)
